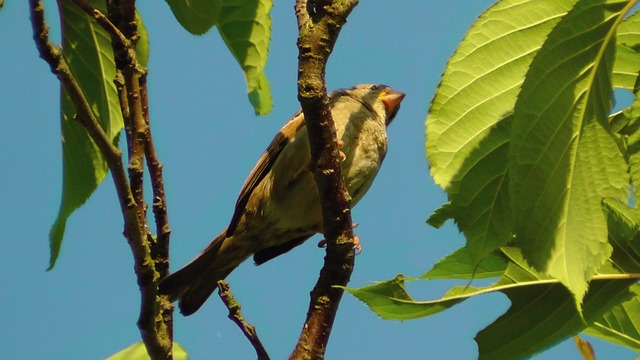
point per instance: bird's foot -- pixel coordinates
(341, 155)
(357, 247)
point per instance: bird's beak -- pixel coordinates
(392, 100)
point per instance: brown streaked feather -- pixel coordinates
(266, 161)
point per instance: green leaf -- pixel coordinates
(460, 266)
(564, 157)
(390, 300)
(468, 127)
(540, 316)
(626, 68)
(629, 31)
(620, 325)
(245, 26)
(196, 16)
(138, 351)
(88, 52)
(624, 235)
(627, 64)
(622, 223)
(631, 132)
(142, 46)
(545, 315)
(543, 311)
(440, 216)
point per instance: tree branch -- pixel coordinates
(235, 315)
(159, 197)
(319, 23)
(160, 249)
(154, 321)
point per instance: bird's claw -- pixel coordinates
(341, 155)
(357, 247)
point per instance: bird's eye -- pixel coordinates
(378, 87)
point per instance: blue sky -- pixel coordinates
(208, 139)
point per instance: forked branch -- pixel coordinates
(155, 318)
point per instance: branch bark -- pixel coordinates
(236, 316)
(319, 24)
(156, 312)
(155, 320)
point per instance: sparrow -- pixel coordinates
(278, 207)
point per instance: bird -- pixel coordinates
(279, 207)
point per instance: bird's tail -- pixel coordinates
(196, 281)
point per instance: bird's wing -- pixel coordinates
(266, 161)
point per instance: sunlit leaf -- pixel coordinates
(196, 16)
(626, 68)
(142, 46)
(87, 50)
(631, 132)
(460, 266)
(468, 127)
(245, 27)
(564, 157)
(629, 31)
(390, 299)
(543, 311)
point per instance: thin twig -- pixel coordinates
(103, 21)
(235, 314)
(159, 197)
(319, 23)
(160, 249)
